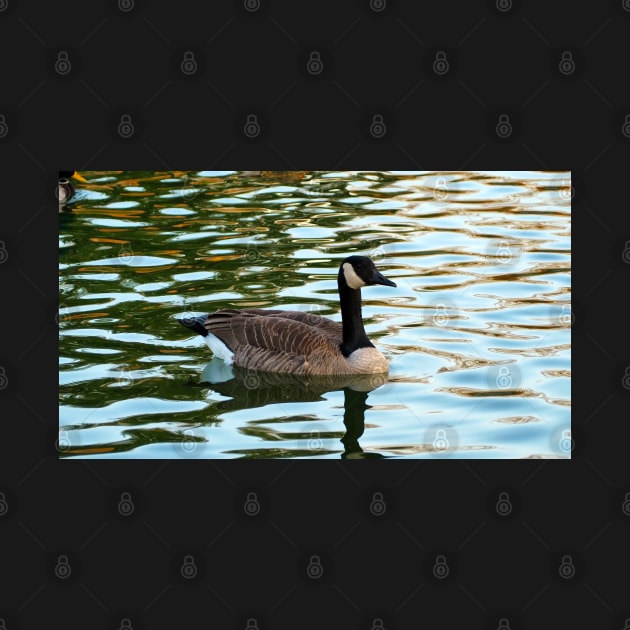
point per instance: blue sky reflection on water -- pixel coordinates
(477, 332)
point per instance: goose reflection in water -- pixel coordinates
(248, 389)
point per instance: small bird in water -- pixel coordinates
(65, 189)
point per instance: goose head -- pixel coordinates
(359, 271)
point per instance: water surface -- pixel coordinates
(477, 331)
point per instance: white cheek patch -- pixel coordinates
(352, 279)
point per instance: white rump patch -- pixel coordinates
(352, 279)
(219, 349)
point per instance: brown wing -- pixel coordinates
(254, 358)
(332, 329)
(269, 340)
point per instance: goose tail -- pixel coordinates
(196, 324)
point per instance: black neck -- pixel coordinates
(353, 332)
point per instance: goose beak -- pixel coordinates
(379, 278)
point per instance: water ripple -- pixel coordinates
(477, 332)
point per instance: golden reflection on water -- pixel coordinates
(483, 267)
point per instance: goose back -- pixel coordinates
(271, 341)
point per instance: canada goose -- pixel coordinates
(296, 342)
(65, 190)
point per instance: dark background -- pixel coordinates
(440, 77)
